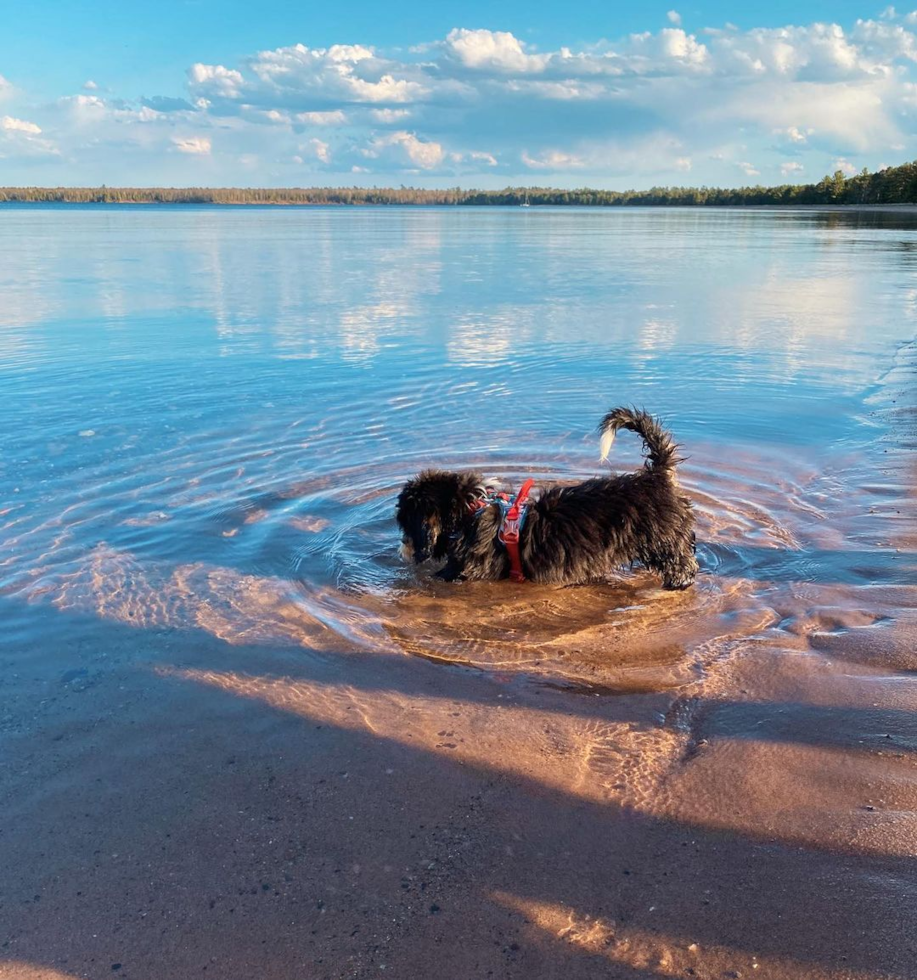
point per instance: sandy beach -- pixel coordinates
(181, 806)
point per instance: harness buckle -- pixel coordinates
(509, 532)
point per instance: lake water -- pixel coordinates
(209, 412)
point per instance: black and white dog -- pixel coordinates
(572, 534)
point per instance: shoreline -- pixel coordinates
(890, 187)
(907, 208)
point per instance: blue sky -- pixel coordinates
(606, 94)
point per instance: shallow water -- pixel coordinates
(209, 413)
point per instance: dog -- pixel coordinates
(571, 535)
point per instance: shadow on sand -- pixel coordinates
(181, 805)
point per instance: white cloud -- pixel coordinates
(884, 42)
(265, 117)
(648, 107)
(89, 85)
(793, 167)
(11, 125)
(342, 73)
(215, 81)
(855, 115)
(814, 52)
(333, 117)
(194, 145)
(572, 90)
(93, 114)
(22, 139)
(320, 150)
(669, 50)
(406, 148)
(795, 135)
(82, 106)
(845, 166)
(390, 116)
(499, 50)
(163, 104)
(484, 84)
(552, 160)
(480, 157)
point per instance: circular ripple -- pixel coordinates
(218, 536)
(341, 548)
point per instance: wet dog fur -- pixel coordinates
(572, 534)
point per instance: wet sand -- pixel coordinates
(193, 786)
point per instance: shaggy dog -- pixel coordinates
(570, 535)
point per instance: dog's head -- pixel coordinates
(430, 509)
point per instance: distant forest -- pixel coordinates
(894, 185)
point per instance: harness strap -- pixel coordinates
(479, 499)
(509, 532)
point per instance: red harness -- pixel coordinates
(513, 509)
(509, 532)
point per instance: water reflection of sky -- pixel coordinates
(728, 321)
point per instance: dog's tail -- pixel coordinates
(661, 449)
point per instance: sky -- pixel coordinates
(600, 94)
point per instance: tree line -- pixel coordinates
(893, 185)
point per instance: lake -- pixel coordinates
(246, 389)
(208, 414)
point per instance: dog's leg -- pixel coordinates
(451, 572)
